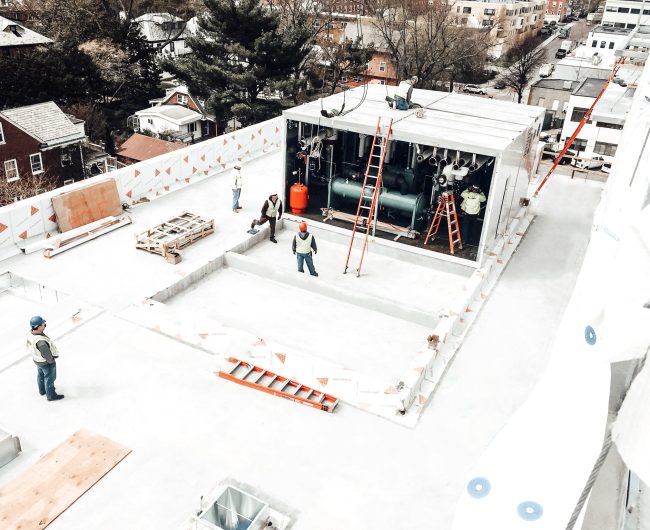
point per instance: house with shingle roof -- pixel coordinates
(165, 32)
(41, 139)
(15, 37)
(179, 116)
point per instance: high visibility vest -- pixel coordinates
(32, 340)
(236, 180)
(472, 202)
(403, 89)
(303, 246)
(272, 209)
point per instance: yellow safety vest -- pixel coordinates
(272, 209)
(303, 246)
(32, 340)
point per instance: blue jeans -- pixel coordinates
(302, 258)
(401, 103)
(45, 379)
(236, 193)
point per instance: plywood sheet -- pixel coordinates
(57, 480)
(80, 207)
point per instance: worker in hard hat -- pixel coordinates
(403, 93)
(44, 354)
(473, 197)
(303, 245)
(271, 210)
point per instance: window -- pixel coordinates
(2, 135)
(578, 113)
(488, 23)
(606, 149)
(191, 127)
(579, 144)
(36, 161)
(623, 9)
(611, 45)
(467, 10)
(171, 47)
(610, 9)
(556, 104)
(594, 43)
(489, 11)
(11, 170)
(541, 102)
(635, 11)
(68, 181)
(619, 25)
(149, 121)
(646, 12)
(382, 66)
(602, 43)
(606, 125)
(181, 99)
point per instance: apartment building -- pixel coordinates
(626, 13)
(556, 10)
(508, 21)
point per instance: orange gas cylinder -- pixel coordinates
(298, 197)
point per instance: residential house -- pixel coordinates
(178, 116)
(140, 147)
(601, 134)
(509, 21)
(553, 95)
(165, 32)
(381, 68)
(14, 37)
(556, 10)
(41, 140)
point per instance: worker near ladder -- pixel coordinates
(44, 355)
(271, 209)
(302, 246)
(403, 93)
(471, 207)
(236, 188)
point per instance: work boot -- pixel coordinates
(273, 239)
(56, 397)
(240, 208)
(315, 274)
(236, 210)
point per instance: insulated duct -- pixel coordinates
(362, 145)
(425, 155)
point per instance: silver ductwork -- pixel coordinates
(424, 155)
(362, 146)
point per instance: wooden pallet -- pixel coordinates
(168, 238)
(48, 488)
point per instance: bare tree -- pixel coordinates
(427, 40)
(25, 187)
(526, 58)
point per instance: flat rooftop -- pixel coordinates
(451, 120)
(590, 87)
(130, 372)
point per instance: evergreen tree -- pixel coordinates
(242, 49)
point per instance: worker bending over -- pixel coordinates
(471, 207)
(271, 209)
(403, 93)
(302, 246)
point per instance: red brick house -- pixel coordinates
(40, 139)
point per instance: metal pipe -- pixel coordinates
(414, 158)
(362, 145)
(424, 155)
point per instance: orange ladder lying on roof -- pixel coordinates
(252, 376)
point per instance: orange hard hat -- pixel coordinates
(302, 227)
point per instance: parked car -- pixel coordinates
(546, 70)
(607, 168)
(474, 89)
(619, 81)
(595, 162)
(545, 31)
(500, 84)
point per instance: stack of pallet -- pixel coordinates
(168, 238)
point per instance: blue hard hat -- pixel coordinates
(34, 322)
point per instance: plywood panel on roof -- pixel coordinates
(80, 207)
(57, 480)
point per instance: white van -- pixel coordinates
(546, 70)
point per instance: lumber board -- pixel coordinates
(83, 206)
(94, 230)
(57, 480)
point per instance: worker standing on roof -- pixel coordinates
(271, 209)
(236, 188)
(403, 93)
(471, 207)
(44, 354)
(302, 246)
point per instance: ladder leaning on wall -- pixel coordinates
(368, 204)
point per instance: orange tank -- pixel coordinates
(298, 198)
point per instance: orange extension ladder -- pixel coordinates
(446, 209)
(367, 209)
(252, 376)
